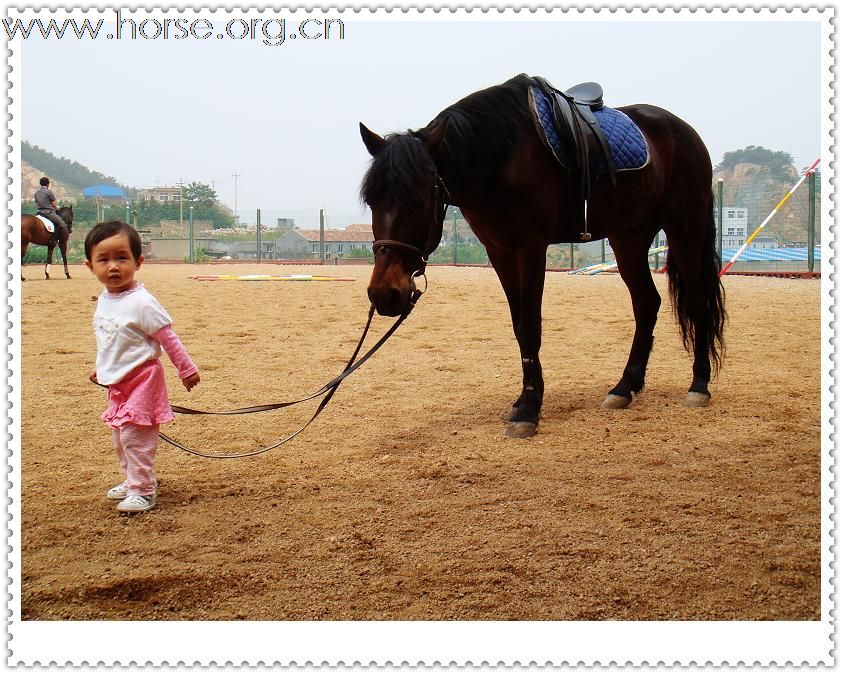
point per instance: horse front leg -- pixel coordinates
(522, 277)
(63, 250)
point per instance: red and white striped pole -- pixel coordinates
(769, 217)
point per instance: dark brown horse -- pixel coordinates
(484, 154)
(32, 230)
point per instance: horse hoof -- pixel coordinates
(697, 399)
(615, 402)
(521, 429)
(510, 415)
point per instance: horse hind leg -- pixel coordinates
(63, 250)
(49, 262)
(633, 265)
(698, 298)
(23, 246)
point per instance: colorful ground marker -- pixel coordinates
(267, 277)
(600, 267)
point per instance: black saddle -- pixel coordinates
(587, 93)
(574, 119)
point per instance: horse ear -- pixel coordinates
(436, 136)
(373, 143)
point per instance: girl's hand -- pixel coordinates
(92, 377)
(191, 381)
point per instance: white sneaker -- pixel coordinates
(119, 492)
(136, 503)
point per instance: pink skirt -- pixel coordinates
(140, 398)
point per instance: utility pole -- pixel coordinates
(180, 207)
(236, 175)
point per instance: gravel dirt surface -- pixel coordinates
(404, 500)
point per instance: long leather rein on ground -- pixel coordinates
(441, 197)
(327, 390)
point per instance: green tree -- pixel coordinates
(200, 193)
(778, 165)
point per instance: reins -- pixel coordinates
(328, 390)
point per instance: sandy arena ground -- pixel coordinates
(404, 500)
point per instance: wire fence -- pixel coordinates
(790, 242)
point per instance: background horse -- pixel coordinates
(32, 230)
(484, 155)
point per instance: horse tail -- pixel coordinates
(705, 303)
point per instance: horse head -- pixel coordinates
(408, 200)
(66, 214)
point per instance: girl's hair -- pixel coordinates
(105, 230)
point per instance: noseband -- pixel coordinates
(441, 199)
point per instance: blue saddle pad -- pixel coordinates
(626, 142)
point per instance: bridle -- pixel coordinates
(441, 200)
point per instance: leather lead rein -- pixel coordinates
(327, 391)
(433, 238)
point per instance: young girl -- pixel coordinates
(131, 327)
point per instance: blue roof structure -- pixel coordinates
(104, 191)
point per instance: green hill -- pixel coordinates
(71, 174)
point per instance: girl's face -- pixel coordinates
(113, 264)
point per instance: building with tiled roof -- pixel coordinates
(299, 244)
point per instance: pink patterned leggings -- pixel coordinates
(136, 447)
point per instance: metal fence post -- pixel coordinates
(190, 248)
(720, 226)
(455, 252)
(258, 235)
(811, 224)
(321, 236)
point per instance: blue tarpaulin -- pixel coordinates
(786, 254)
(104, 191)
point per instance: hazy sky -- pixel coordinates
(155, 111)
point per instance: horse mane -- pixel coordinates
(393, 174)
(498, 112)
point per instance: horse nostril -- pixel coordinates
(387, 301)
(394, 299)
